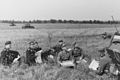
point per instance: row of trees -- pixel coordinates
(63, 21)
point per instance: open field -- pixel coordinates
(82, 33)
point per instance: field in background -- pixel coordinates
(20, 37)
(82, 33)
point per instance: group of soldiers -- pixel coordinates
(58, 54)
(35, 54)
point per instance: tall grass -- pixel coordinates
(47, 72)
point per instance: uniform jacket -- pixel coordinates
(30, 55)
(64, 56)
(57, 48)
(78, 53)
(38, 49)
(8, 56)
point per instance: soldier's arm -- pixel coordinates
(82, 54)
(2, 56)
(58, 58)
(110, 41)
(81, 57)
(17, 57)
(71, 55)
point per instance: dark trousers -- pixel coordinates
(30, 61)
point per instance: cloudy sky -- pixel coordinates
(59, 9)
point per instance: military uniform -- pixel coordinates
(64, 56)
(38, 49)
(30, 56)
(77, 54)
(31, 53)
(8, 56)
(45, 55)
(57, 48)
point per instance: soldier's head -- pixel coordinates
(32, 44)
(8, 44)
(36, 44)
(61, 42)
(77, 50)
(102, 52)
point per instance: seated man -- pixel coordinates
(64, 58)
(57, 48)
(31, 53)
(8, 56)
(77, 54)
(47, 56)
(104, 61)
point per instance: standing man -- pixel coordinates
(8, 56)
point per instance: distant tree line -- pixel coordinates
(64, 21)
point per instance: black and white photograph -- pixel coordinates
(59, 39)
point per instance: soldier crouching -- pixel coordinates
(8, 56)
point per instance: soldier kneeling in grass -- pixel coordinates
(8, 56)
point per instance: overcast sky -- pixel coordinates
(59, 9)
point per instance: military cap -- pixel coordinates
(35, 42)
(76, 47)
(31, 42)
(7, 42)
(60, 40)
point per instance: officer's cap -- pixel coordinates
(7, 42)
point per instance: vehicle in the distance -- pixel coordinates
(28, 26)
(12, 24)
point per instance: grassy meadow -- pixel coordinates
(83, 34)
